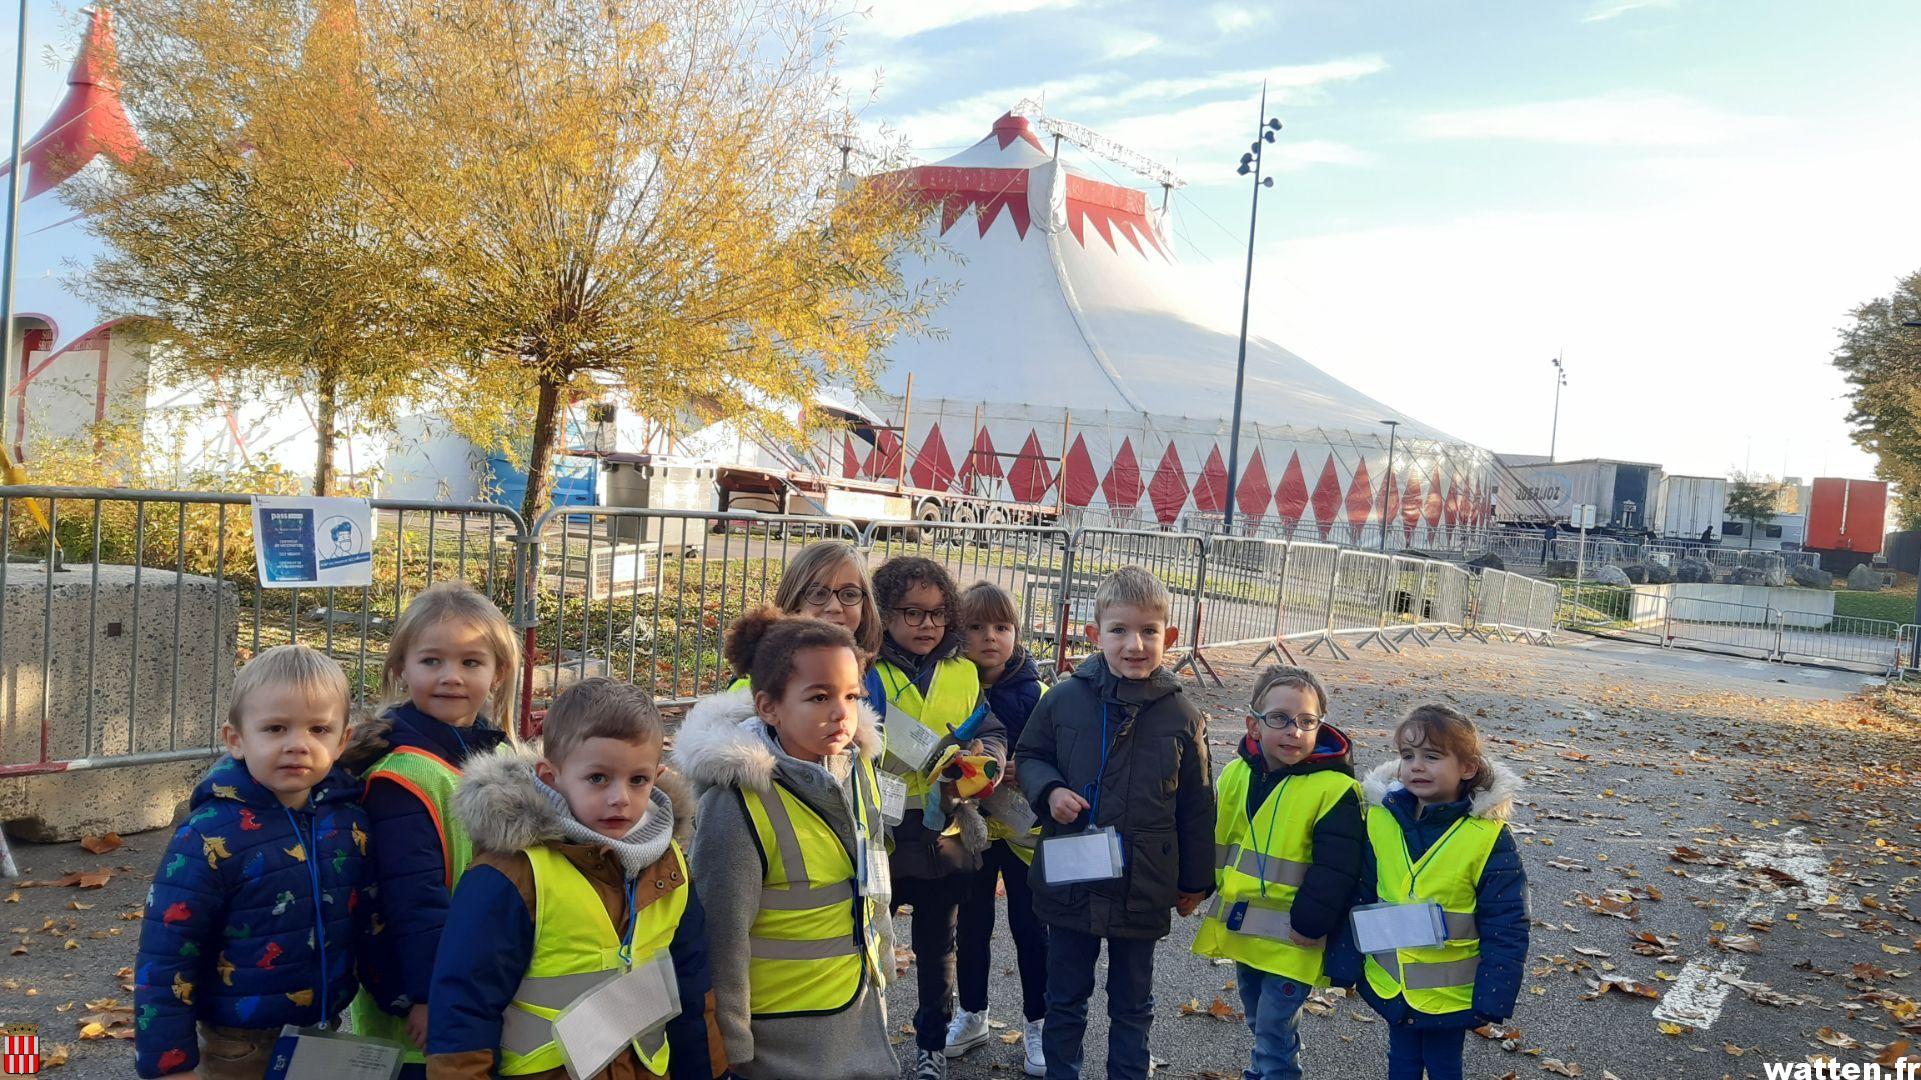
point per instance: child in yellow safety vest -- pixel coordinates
(930, 698)
(1437, 834)
(450, 679)
(790, 846)
(1288, 842)
(578, 898)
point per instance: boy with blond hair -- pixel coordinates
(1114, 759)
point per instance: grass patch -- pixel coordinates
(1895, 607)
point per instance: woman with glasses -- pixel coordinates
(930, 697)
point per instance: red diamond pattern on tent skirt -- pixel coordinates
(932, 468)
(1453, 509)
(1168, 490)
(1327, 497)
(1210, 491)
(1290, 498)
(884, 462)
(1411, 505)
(983, 461)
(1252, 494)
(849, 461)
(1077, 474)
(1434, 499)
(1029, 479)
(1360, 499)
(1123, 484)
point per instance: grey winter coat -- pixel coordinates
(1156, 789)
(725, 748)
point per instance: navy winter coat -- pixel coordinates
(412, 898)
(1014, 695)
(1500, 903)
(253, 917)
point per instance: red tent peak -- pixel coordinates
(97, 60)
(1010, 127)
(88, 122)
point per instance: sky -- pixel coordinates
(1683, 199)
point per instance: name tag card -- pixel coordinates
(876, 874)
(312, 1054)
(1386, 927)
(1094, 855)
(597, 1027)
(910, 740)
(893, 797)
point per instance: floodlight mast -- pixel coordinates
(1100, 145)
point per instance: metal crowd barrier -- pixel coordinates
(119, 640)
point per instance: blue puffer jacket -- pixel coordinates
(1014, 695)
(1500, 905)
(233, 933)
(408, 865)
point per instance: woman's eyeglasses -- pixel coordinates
(1280, 721)
(914, 616)
(816, 595)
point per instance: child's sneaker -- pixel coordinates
(1036, 1063)
(968, 1030)
(929, 1065)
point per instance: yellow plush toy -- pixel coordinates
(973, 775)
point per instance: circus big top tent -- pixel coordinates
(1072, 335)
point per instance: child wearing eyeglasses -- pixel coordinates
(1288, 842)
(828, 580)
(930, 697)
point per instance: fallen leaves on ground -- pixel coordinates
(1561, 1068)
(100, 845)
(1219, 1010)
(1603, 987)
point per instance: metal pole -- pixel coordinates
(1387, 482)
(12, 241)
(1247, 293)
(1560, 380)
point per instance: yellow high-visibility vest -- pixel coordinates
(432, 780)
(816, 938)
(1439, 979)
(950, 699)
(575, 948)
(1260, 863)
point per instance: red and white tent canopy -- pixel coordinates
(1066, 299)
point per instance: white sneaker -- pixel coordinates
(1036, 1064)
(929, 1065)
(967, 1031)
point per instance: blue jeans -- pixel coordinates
(1273, 1006)
(1071, 956)
(1410, 1050)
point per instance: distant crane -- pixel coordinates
(1101, 146)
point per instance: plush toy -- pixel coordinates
(972, 774)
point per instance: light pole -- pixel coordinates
(1560, 380)
(11, 242)
(1387, 482)
(1912, 324)
(1250, 163)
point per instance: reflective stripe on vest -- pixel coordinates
(815, 940)
(576, 948)
(1260, 865)
(431, 780)
(1440, 979)
(950, 700)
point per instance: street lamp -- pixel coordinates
(1915, 324)
(1250, 164)
(1387, 482)
(12, 240)
(1560, 380)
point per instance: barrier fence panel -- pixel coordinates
(1361, 581)
(1451, 588)
(1307, 591)
(1246, 582)
(1410, 600)
(1032, 563)
(1490, 596)
(647, 595)
(1542, 603)
(1874, 644)
(1908, 650)
(1177, 559)
(121, 627)
(1746, 627)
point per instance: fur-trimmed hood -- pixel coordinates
(505, 811)
(716, 748)
(1494, 802)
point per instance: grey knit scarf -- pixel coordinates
(643, 845)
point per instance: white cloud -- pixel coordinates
(1120, 44)
(1293, 83)
(897, 19)
(964, 122)
(1624, 119)
(1609, 9)
(1236, 18)
(1204, 142)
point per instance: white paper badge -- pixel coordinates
(893, 797)
(910, 740)
(598, 1025)
(1387, 927)
(877, 875)
(1094, 855)
(313, 1054)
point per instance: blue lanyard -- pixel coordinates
(319, 918)
(1414, 874)
(1092, 792)
(627, 927)
(1269, 842)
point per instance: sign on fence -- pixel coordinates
(302, 542)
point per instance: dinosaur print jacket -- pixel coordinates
(253, 917)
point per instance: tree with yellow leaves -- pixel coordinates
(639, 200)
